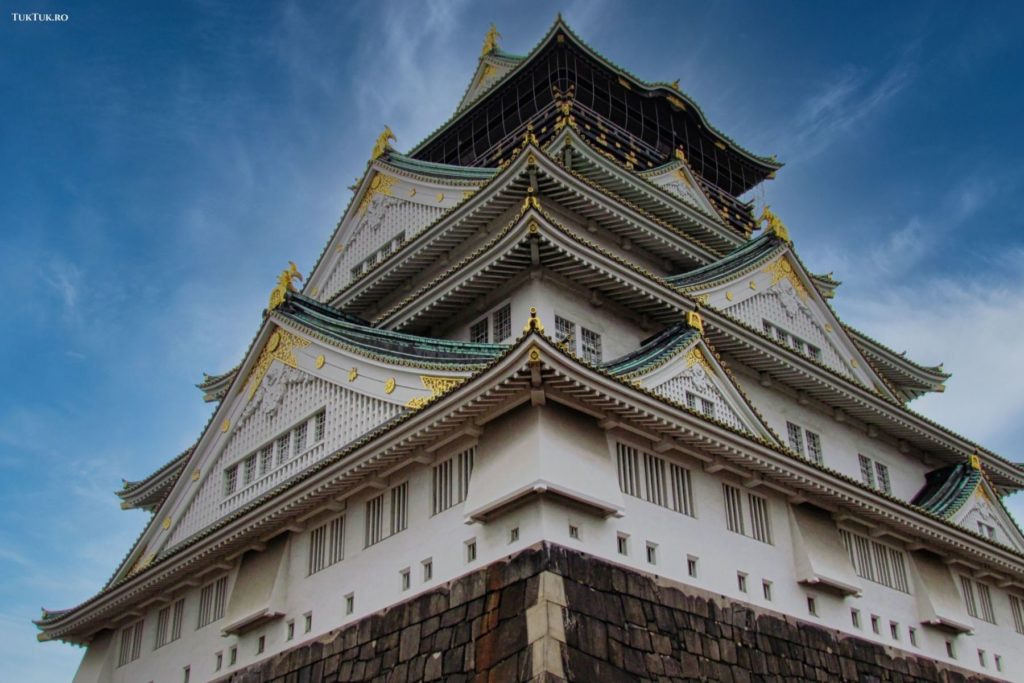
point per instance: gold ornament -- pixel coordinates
(284, 285)
(382, 144)
(533, 324)
(389, 386)
(773, 224)
(283, 351)
(352, 374)
(380, 184)
(490, 41)
(320, 360)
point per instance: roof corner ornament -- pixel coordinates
(383, 143)
(530, 200)
(284, 285)
(975, 461)
(533, 324)
(774, 225)
(694, 320)
(490, 41)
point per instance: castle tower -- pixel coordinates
(556, 404)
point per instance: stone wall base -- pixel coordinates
(552, 615)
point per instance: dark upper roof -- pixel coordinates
(653, 350)
(947, 488)
(665, 119)
(753, 252)
(356, 332)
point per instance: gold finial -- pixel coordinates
(694, 320)
(773, 224)
(975, 461)
(680, 154)
(533, 324)
(675, 85)
(528, 136)
(284, 285)
(490, 41)
(382, 144)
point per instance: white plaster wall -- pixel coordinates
(841, 442)
(372, 574)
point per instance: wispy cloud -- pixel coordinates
(851, 96)
(64, 278)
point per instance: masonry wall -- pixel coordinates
(553, 614)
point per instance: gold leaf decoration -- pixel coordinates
(696, 357)
(782, 269)
(282, 349)
(381, 184)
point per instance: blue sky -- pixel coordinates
(162, 161)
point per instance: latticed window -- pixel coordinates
(283, 450)
(1017, 609)
(978, 599)
(399, 508)
(374, 520)
(700, 404)
(814, 451)
(760, 521)
(451, 480)
(883, 477)
(733, 509)
(629, 469)
(230, 480)
(168, 623)
(131, 644)
(796, 437)
(212, 599)
(319, 424)
(249, 469)
(789, 339)
(299, 437)
(876, 562)
(565, 331)
(503, 323)
(654, 479)
(327, 544)
(393, 519)
(867, 472)
(590, 345)
(266, 459)
(478, 331)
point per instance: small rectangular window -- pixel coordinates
(574, 532)
(814, 451)
(319, 426)
(894, 630)
(796, 437)
(266, 459)
(478, 332)
(212, 598)
(218, 663)
(503, 323)
(876, 624)
(299, 438)
(883, 477)
(855, 617)
(867, 472)
(590, 346)
(513, 534)
(912, 633)
(350, 603)
(471, 550)
(308, 621)
(187, 671)
(131, 643)
(374, 520)
(741, 582)
(998, 659)
(289, 630)
(406, 577)
(249, 469)
(1017, 609)
(283, 451)
(233, 656)
(622, 543)
(261, 645)
(812, 606)
(691, 566)
(766, 589)
(982, 659)
(652, 553)
(450, 483)
(565, 333)
(399, 508)
(950, 650)
(230, 480)
(428, 570)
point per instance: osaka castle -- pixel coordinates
(557, 404)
